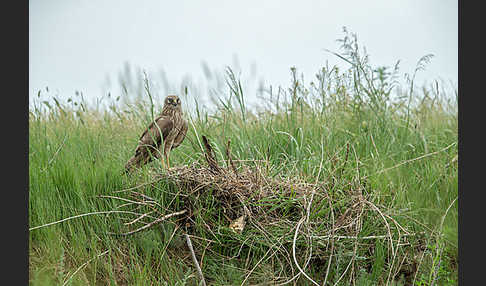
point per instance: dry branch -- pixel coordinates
(194, 259)
(159, 220)
(210, 158)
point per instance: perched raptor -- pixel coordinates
(168, 129)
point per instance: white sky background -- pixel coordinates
(78, 45)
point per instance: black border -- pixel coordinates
(460, 200)
(471, 90)
(15, 135)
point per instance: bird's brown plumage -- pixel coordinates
(169, 127)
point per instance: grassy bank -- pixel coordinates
(354, 131)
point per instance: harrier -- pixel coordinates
(169, 127)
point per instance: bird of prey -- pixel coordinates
(168, 129)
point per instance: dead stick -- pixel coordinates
(83, 265)
(159, 220)
(210, 158)
(194, 259)
(293, 253)
(81, 215)
(230, 160)
(411, 160)
(55, 154)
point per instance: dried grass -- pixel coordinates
(289, 232)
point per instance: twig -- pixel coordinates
(138, 218)
(209, 155)
(373, 141)
(83, 265)
(194, 259)
(411, 160)
(159, 220)
(230, 160)
(258, 263)
(445, 214)
(452, 161)
(332, 242)
(389, 234)
(419, 264)
(78, 216)
(55, 154)
(298, 274)
(386, 223)
(123, 199)
(434, 277)
(328, 237)
(293, 252)
(168, 242)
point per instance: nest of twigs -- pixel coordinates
(236, 189)
(306, 218)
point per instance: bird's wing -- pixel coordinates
(150, 140)
(157, 130)
(181, 135)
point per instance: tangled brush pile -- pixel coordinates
(287, 215)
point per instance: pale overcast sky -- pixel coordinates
(77, 45)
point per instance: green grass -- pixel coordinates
(346, 129)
